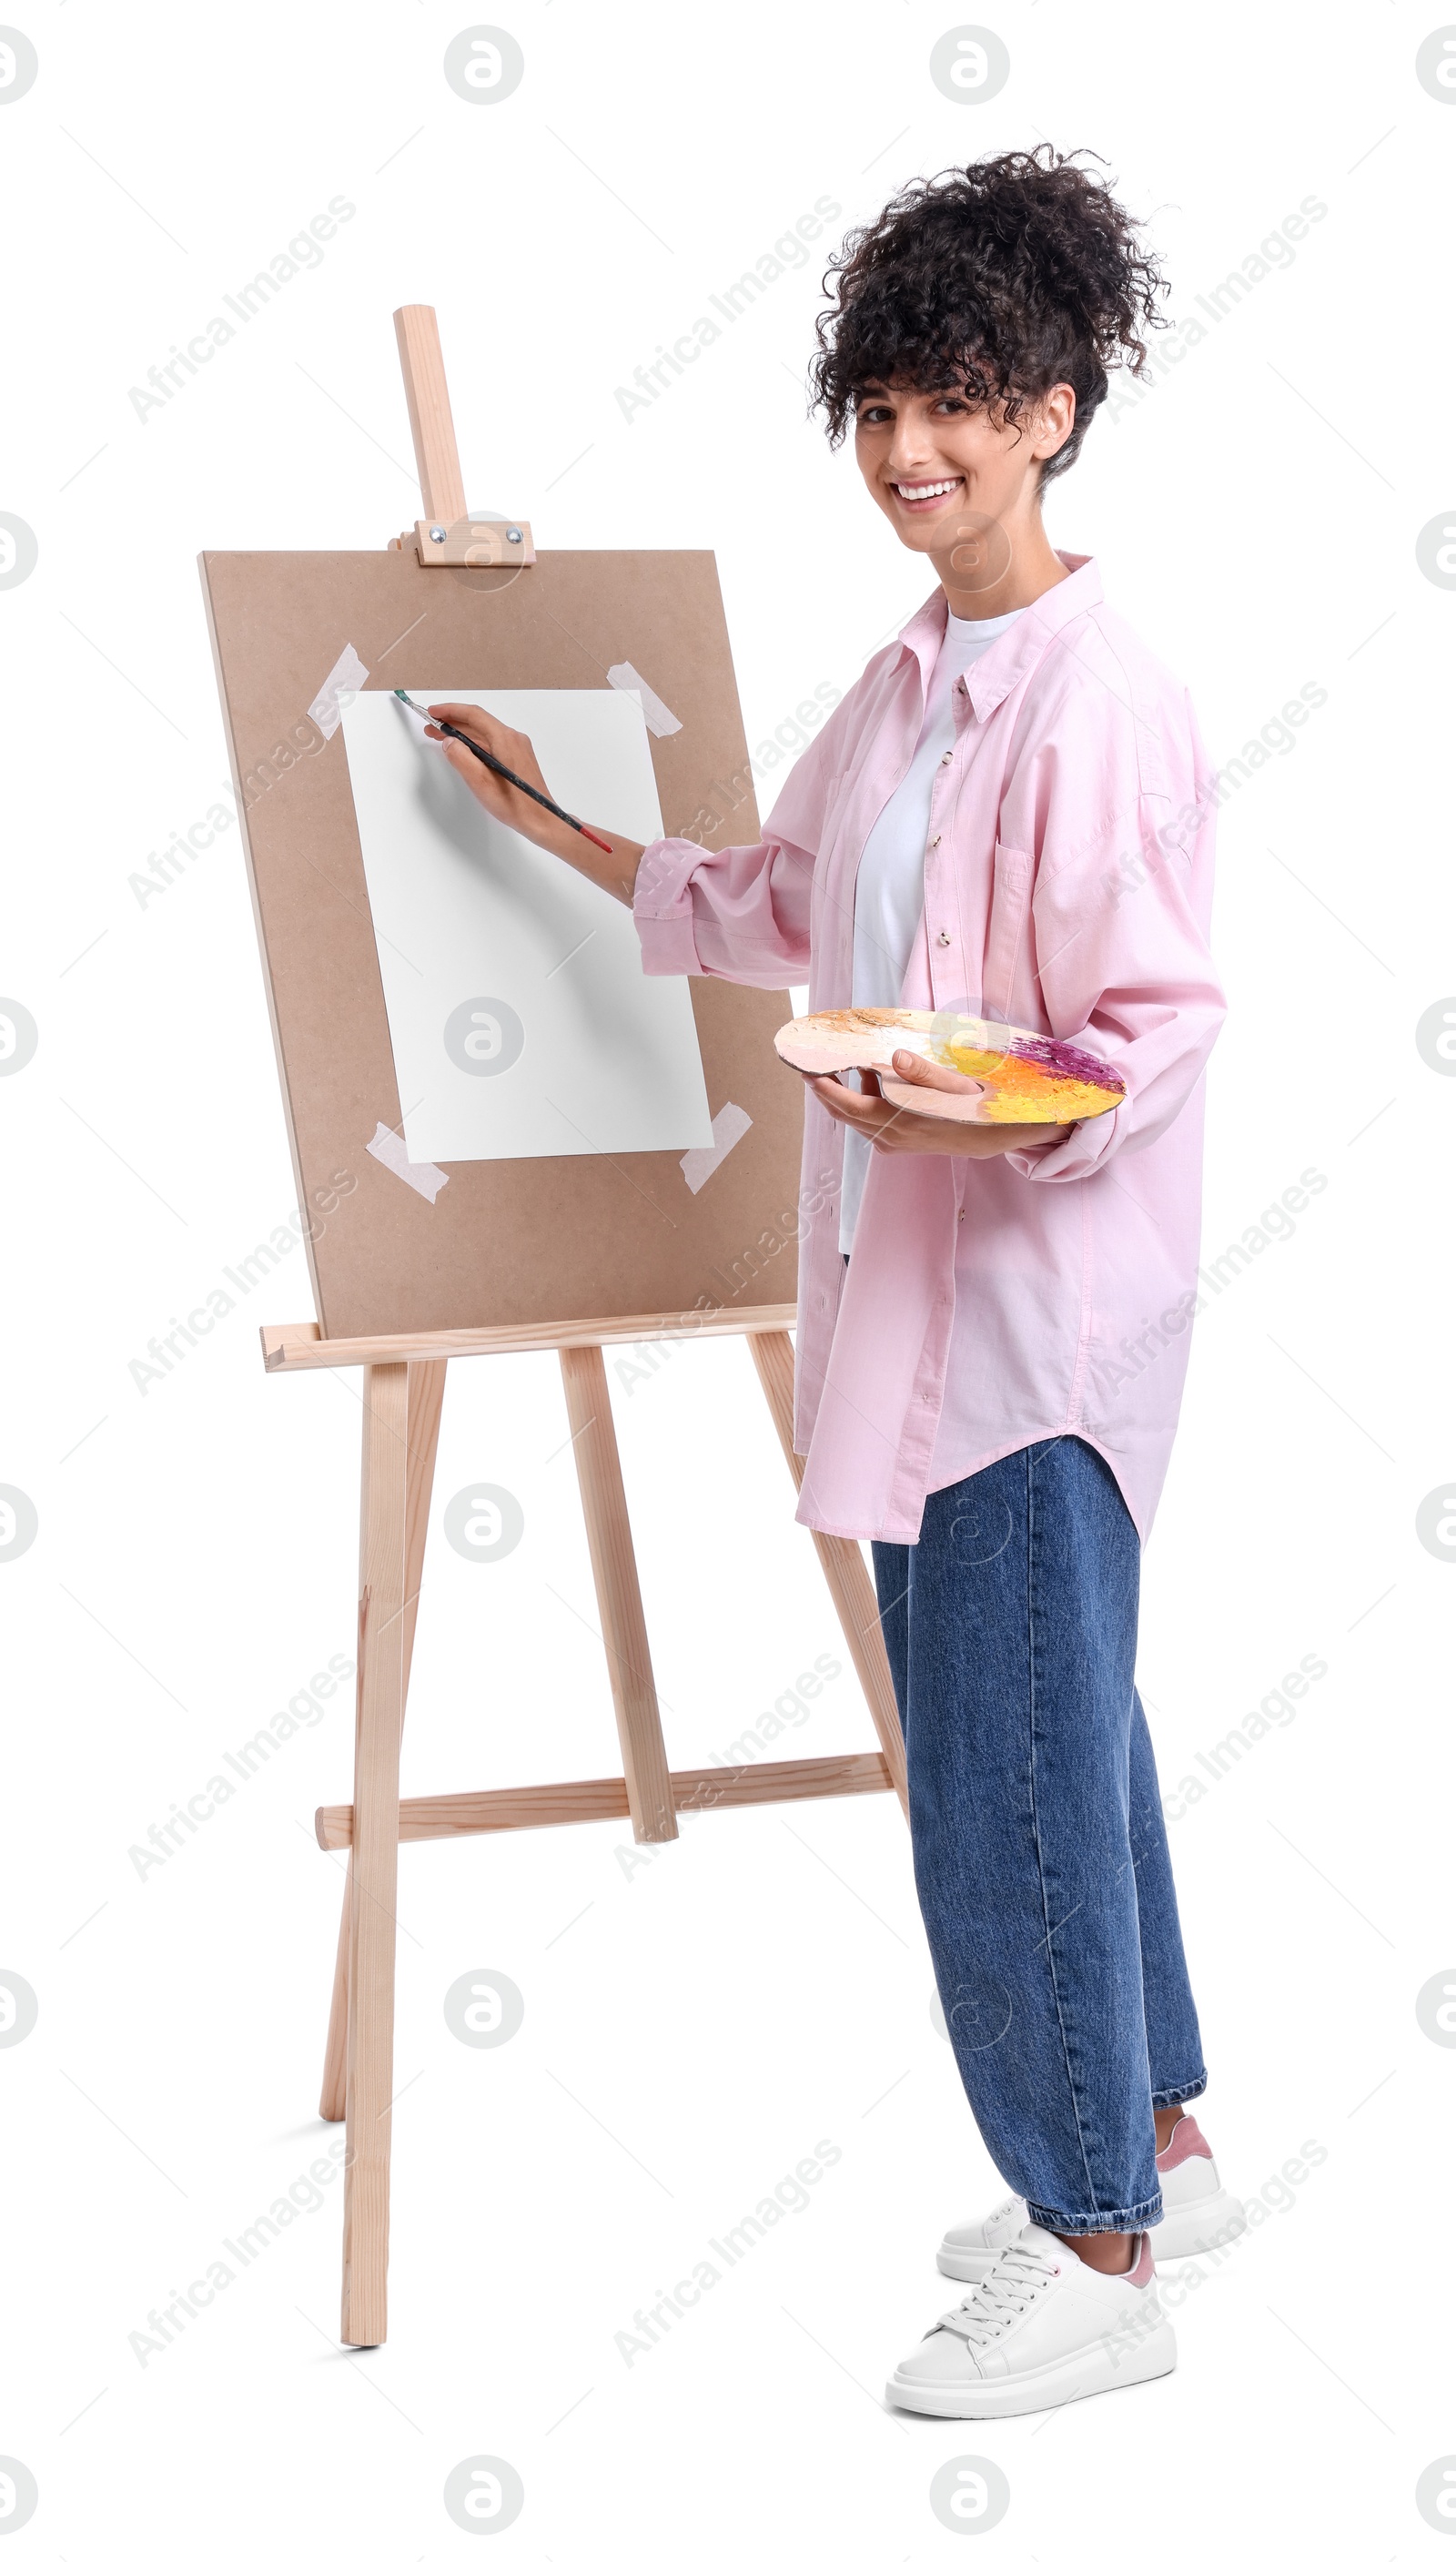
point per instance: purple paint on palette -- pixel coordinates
(1064, 1060)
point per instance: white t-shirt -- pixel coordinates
(890, 887)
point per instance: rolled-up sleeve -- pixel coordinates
(741, 912)
(1125, 969)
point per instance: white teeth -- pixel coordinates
(924, 489)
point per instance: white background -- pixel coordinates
(692, 2027)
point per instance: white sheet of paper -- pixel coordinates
(522, 1021)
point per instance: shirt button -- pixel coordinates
(942, 937)
(950, 751)
(935, 840)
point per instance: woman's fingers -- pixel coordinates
(893, 1128)
(866, 1112)
(472, 720)
(912, 1069)
(487, 785)
(512, 745)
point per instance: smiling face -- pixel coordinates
(961, 487)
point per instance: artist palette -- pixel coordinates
(1011, 1075)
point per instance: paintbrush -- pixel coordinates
(504, 772)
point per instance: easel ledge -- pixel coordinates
(303, 1346)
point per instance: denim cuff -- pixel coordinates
(1132, 2218)
(1182, 2094)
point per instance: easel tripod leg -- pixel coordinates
(332, 2098)
(619, 1594)
(369, 2047)
(426, 1399)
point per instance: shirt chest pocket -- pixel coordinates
(1011, 895)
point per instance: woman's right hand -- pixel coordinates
(613, 870)
(513, 748)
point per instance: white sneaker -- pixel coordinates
(1198, 2213)
(1042, 2329)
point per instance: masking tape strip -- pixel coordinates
(660, 720)
(388, 1149)
(729, 1126)
(348, 674)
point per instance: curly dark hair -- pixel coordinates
(1002, 279)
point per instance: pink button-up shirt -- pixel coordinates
(992, 1303)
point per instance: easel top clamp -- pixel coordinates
(404, 1385)
(445, 536)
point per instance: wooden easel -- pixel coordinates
(404, 1388)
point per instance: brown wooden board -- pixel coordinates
(529, 1241)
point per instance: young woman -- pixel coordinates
(1008, 816)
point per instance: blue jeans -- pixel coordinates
(1040, 1852)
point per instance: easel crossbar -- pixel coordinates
(599, 1801)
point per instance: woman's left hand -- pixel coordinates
(892, 1129)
